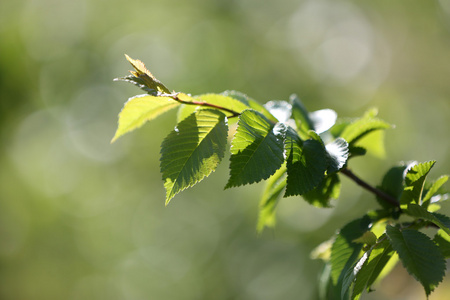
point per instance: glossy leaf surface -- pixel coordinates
(256, 149)
(193, 150)
(337, 154)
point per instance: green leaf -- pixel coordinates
(139, 82)
(380, 255)
(185, 110)
(443, 219)
(256, 149)
(193, 150)
(337, 155)
(442, 239)
(419, 255)
(338, 127)
(353, 272)
(318, 121)
(414, 182)
(434, 189)
(392, 184)
(328, 189)
(301, 117)
(345, 252)
(144, 79)
(363, 126)
(368, 238)
(438, 219)
(374, 143)
(418, 172)
(355, 151)
(140, 109)
(274, 187)
(223, 101)
(387, 263)
(251, 103)
(306, 164)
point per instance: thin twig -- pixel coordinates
(175, 97)
(382, 195)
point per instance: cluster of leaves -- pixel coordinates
(301, 153)
(366, 249)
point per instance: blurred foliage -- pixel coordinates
(83, 219)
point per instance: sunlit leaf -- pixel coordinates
(223, 101)
(140, 109)
(379, 257)
(256, 149)
(251, 103)
(274, 187)
(139, 82)
(374, 143)
(144, 78)
(306, 163)
(193, 150)
(220, 100)
(337, 129)
(434, 189)
(419, 255)
(301, 117)
(337, 154)
(353, 272)
(363, 126)
(185, 111)
(417, 172)
(344, 252)
(414, 182)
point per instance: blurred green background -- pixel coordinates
(83, 219)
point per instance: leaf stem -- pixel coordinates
(382, 195)
(175, 97)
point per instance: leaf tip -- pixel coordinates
(116, 136)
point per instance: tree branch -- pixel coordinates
(382, 195)
(202, 103)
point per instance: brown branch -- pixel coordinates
(175, 97)
(382, 195)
